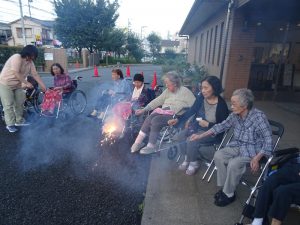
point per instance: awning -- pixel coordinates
(200, 12)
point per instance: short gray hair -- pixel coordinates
(173, 77)
(246, 97)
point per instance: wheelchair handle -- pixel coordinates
(286, 151)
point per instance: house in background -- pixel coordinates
(5, 33)
(176, 43)
(39, 32)
(248, 43)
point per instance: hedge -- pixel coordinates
(7, 51)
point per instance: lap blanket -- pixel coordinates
(51, 99)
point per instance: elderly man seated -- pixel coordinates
(252, 139)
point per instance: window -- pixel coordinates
(220, 43)
(206, 45)
(201, 48)
(196, 46)
(215, 42)
(210, 41)
(28, 32)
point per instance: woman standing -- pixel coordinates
(13, 80)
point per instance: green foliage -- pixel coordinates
(7, 51)
(192, 74)
(154, 44)
(141, 208)
(134, 47)
(85, 23)
(115, 41)
(113, 61)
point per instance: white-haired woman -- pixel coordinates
(252, 139)
(172, 101)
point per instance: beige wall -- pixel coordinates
(59, 56)
(36, 30)
(207, 54)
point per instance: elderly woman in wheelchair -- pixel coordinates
(122, 113)
(172, 101)
(209, 108)
(62, 85)
(252, 139)
(119, 91)
(62, 93)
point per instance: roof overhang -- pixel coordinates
(200, 12)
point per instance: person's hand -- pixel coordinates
(27, 85)
(111, 92)
(172, 122)
(57, 88)
(195, 137)
(203, 123)
(139, 112)
(254, 164)
(43, 88)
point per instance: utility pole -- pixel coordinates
(29, 9)
(22, 21)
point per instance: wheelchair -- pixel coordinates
(166, 137)
(73, 102)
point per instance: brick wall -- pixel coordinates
(240, 55)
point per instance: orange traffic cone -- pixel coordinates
(127, 71)
(96, 74)
(154, 81)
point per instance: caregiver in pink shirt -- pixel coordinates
(13, 80)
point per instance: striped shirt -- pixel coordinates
(252, 135)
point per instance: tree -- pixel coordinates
(85, 23)
(170, 54)
(154, 43)
(134, 47)
(116, 41)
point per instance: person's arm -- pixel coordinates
(216, 129)
(264, 131)
(156, 102)
(37, 77)
(153, 104)
(68, 82)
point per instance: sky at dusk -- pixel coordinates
(141, 16)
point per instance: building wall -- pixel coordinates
(239, 55)
(206, 46)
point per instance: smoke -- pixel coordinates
(50, 141)
(73, 143)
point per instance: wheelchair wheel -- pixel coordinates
(77, 101)
(37, 101)
(172, 152)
